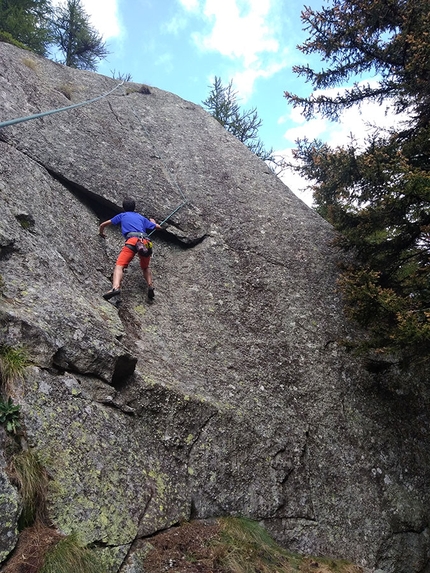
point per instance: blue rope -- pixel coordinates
(171, 215)
(37, 115)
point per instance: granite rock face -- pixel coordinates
(230, 394)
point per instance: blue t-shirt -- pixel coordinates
(132, 222)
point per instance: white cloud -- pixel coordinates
(104, 17)
(243, 80)
(246, 33)
(296, 183)
(238, 34)
(166, 61)
(175, 25)
(312, 129)
(190, 5)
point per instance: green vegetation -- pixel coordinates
(9, 39)
(70, 556)
(9, 415)
(33, 544)
(376, 195)
(77, 40)
(13, 362)
(40, 546)
(248, 548)
(38, 26)
(32, 481)
(26, 22)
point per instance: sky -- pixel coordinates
(181, 45)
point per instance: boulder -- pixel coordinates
(232, 393)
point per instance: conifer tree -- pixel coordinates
(222, 104)
(376, 196)
(27, 22)
(77, 40)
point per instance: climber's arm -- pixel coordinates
(102, 227)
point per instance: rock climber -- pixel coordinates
(134, 227)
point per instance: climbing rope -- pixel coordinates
(43, 114)
(171, 215)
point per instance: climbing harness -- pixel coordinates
(142, 246)
(43, 114)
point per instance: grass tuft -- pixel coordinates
(70, 556)
(67, 90)
(29, 554)
(30, 63)
(248, 548)
(32, 480)
(13, 362)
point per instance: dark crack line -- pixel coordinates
(61, 370)
(310, 520)
(115, 114)
(203, 427)
(103, 208)
(139, 521)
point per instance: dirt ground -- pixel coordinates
(193, 547)
(33, 544)
(196, 547)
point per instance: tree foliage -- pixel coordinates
(377, 195)
(78, 41)
(222, 104)
(27, 22)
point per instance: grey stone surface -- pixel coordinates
(10, 506)
(231, 393)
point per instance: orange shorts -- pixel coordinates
(126, 255)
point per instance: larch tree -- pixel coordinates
(376, 195)
(80, 44)
(222, 103)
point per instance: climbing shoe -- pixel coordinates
(111, 293)
(151, 293)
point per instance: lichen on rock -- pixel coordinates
(230, 393)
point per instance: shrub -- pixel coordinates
(9, 415)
